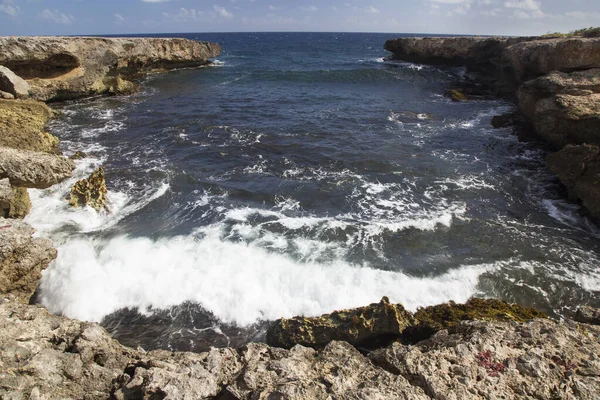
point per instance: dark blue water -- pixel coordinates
(302, 174)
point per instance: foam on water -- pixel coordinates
(238, 283)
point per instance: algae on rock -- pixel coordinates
(90, 192)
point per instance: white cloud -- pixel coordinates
(119, 19)
(9, 7)
(154, 1)
(57, 17)
(311, 8)
(185, 14)
(525, 9)
(222, 12)
(583, 15)
(451, 1)
(372, 10)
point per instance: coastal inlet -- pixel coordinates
(301, 174)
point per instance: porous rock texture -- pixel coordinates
(22, 126)
(33, 169)
(13, 84)
(22, 258)
(50, 357)
(90, 191)
(60, 68)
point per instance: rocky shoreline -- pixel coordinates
(482, 349)
(555, 83)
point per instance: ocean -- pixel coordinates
(301, 174)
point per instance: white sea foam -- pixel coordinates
(239, 283)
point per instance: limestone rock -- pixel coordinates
(90, 191)
(13, 84)
(49, 357)
(22, 258)
(78, 155)
(6, 196)
(20, 204)
(364, 326)
(493, 360)
(578, 168)
(59, 68)
(22, 126)
(534, 58)
(456, 95)
(33, 169)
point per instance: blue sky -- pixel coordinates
(80, 17)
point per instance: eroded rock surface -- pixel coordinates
(59, 68)
(33, 169)
(540, 359)
(22, 258)
(22, 126)
(90, 191)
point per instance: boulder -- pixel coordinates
(6, 95)
(364, 327)
(33, 169)
(22, 126)
(90, 192)
(20, 204)
(78, 155)
(13, 84)
(61, 68)
(22, 258)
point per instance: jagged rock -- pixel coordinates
(33, 169)
(21, 203)
(13, 84)
(123, 87)
(377, 324)
(588, 315)
(578, 168)
(534, 58)
(59, 68)
(90, 191)
(44, 356)
(22, 126)
(6, 196)
(22, 258)
(456, 95)
(501, 360)
(364, 326)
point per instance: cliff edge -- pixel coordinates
(556, 84)
(62, 68)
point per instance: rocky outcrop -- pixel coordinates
(377, 324)
(13, 84)
(33, 169)
(46, 356)
(588, 315)
(22, 126)
(557, 82)
(90, 192)
(59, 68)
(22, 258)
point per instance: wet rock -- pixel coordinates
(60, 68)
(482, 360)
(365, 326)
(578, 168)
(588, 315)
(78, 155)
(456, 95)
(90, 192)
(22, 126)
(33, 169)
(13, 84)
(22, 258)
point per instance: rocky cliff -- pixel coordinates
(556, 83)
(59, 68)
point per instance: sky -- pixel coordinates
(485, 17)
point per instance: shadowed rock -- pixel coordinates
(90, 191)
(588, 315)
(60, 68)
(33, 169)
